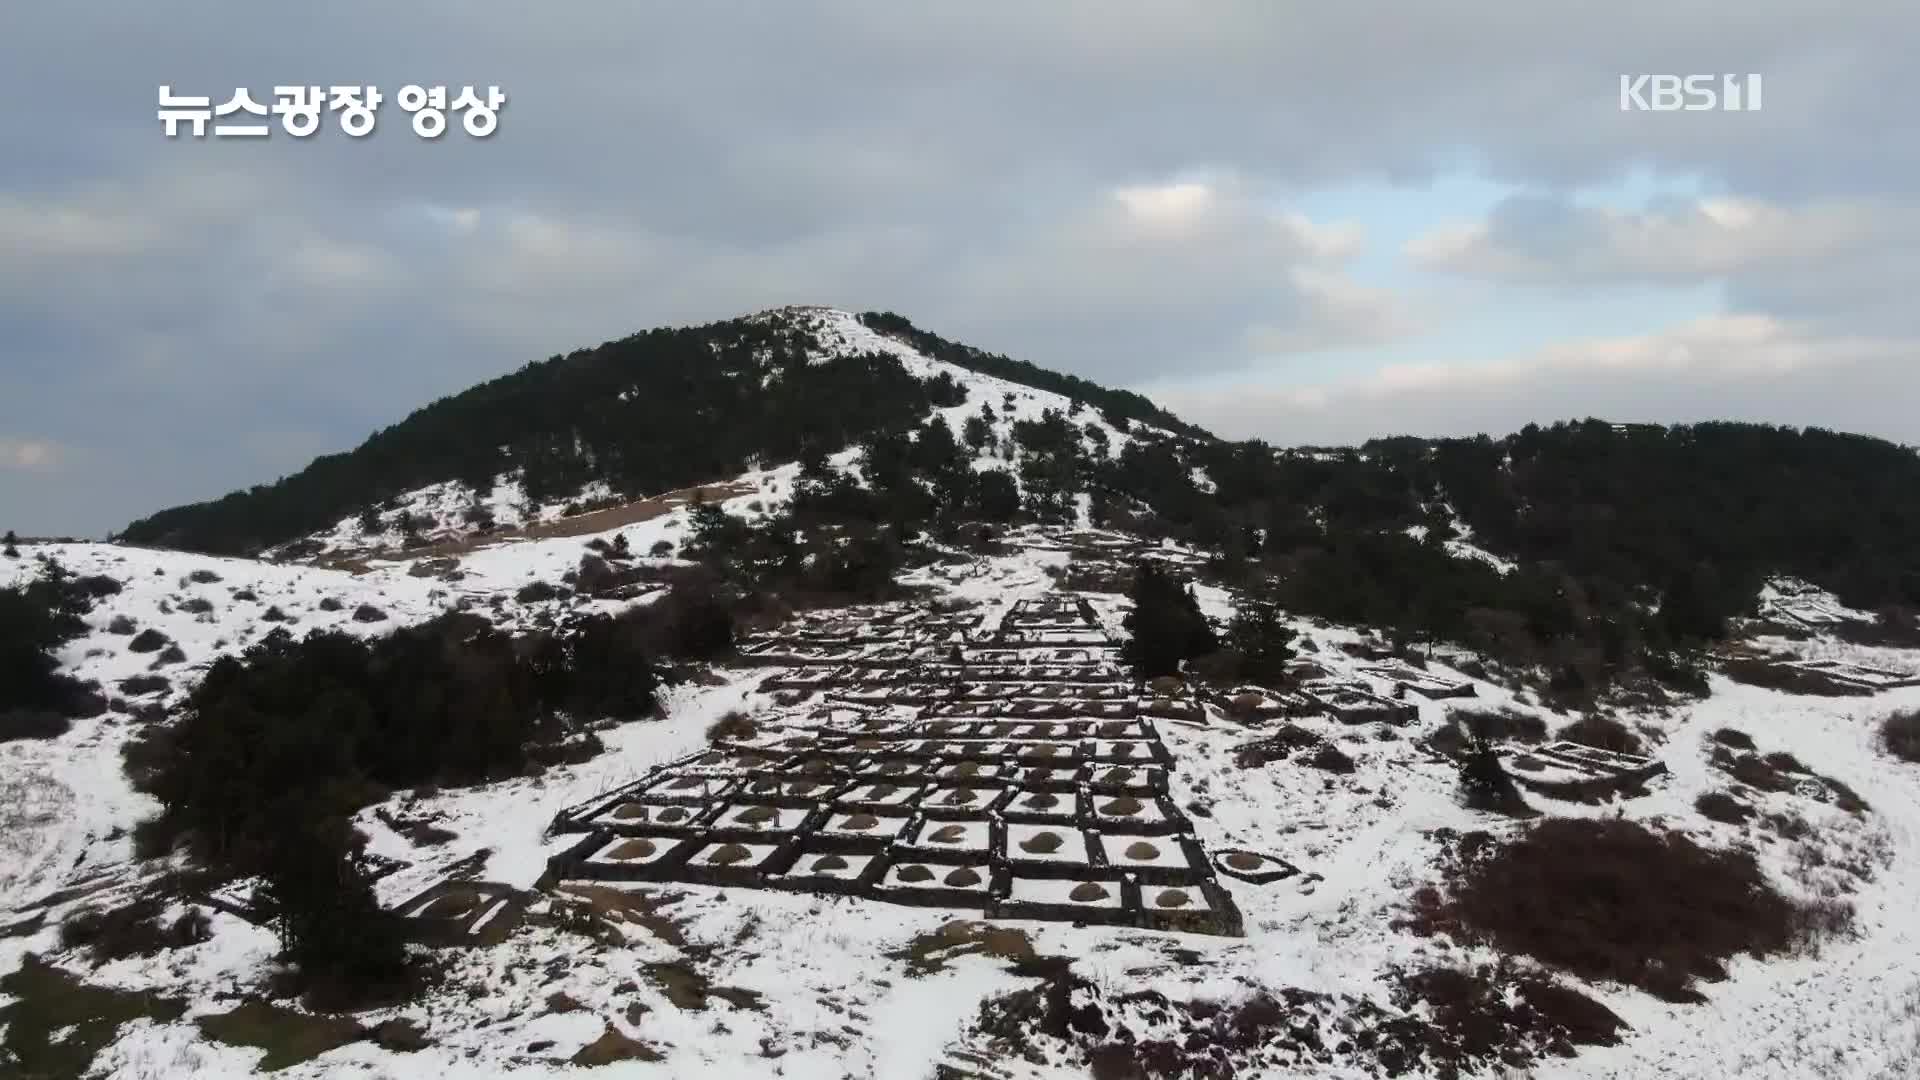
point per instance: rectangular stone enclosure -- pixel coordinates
(1009, 770)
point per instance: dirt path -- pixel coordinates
(593, 521)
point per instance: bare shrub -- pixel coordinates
(148, 640)
(1276, 747)
(1444, 1022)
(1607, 899)
(1901, 735)
(1331, 758)
(1722, 807)
(1602, 733)
(97, 585)
(735, 726)
(133, 929)
(1485, 784)
(538, 592)
(1739, 740)
(1503, 723)
(1771, 675)
(145, 684)
(32, 724)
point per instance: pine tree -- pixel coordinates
(1484, 782)
(36, 618)
(814, 466)
(1165, 626)
(977, 430)
(1263, 643)
(330, 924)
(996, 497)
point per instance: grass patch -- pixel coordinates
(48, 1000)
(606, 906)
(288, 1037)
(690, 989)
(1607, 899)
(928, 953)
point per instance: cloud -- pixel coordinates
(1117, 189)
(1841, 263)
(1137, 279)
(1724, 367)
(1338, 313)
(1547, 240)
(28, 455)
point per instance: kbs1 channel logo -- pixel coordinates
(1689, 93)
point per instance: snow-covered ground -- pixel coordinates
(72, 786)
(1461, 546)
(820, 987)
(1795, 601)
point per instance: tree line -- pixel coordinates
(652, 412)
(38, 616)
(274, 751)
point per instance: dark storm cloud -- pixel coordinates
(183, 317)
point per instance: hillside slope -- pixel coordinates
(699, 980)
(1581, 547)
(658, 410)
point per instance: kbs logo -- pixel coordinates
(1689, 93)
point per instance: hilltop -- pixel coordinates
(655, 411)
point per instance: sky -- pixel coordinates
(1306, 223)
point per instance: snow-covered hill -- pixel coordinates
(731, 982)
(446, 512)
